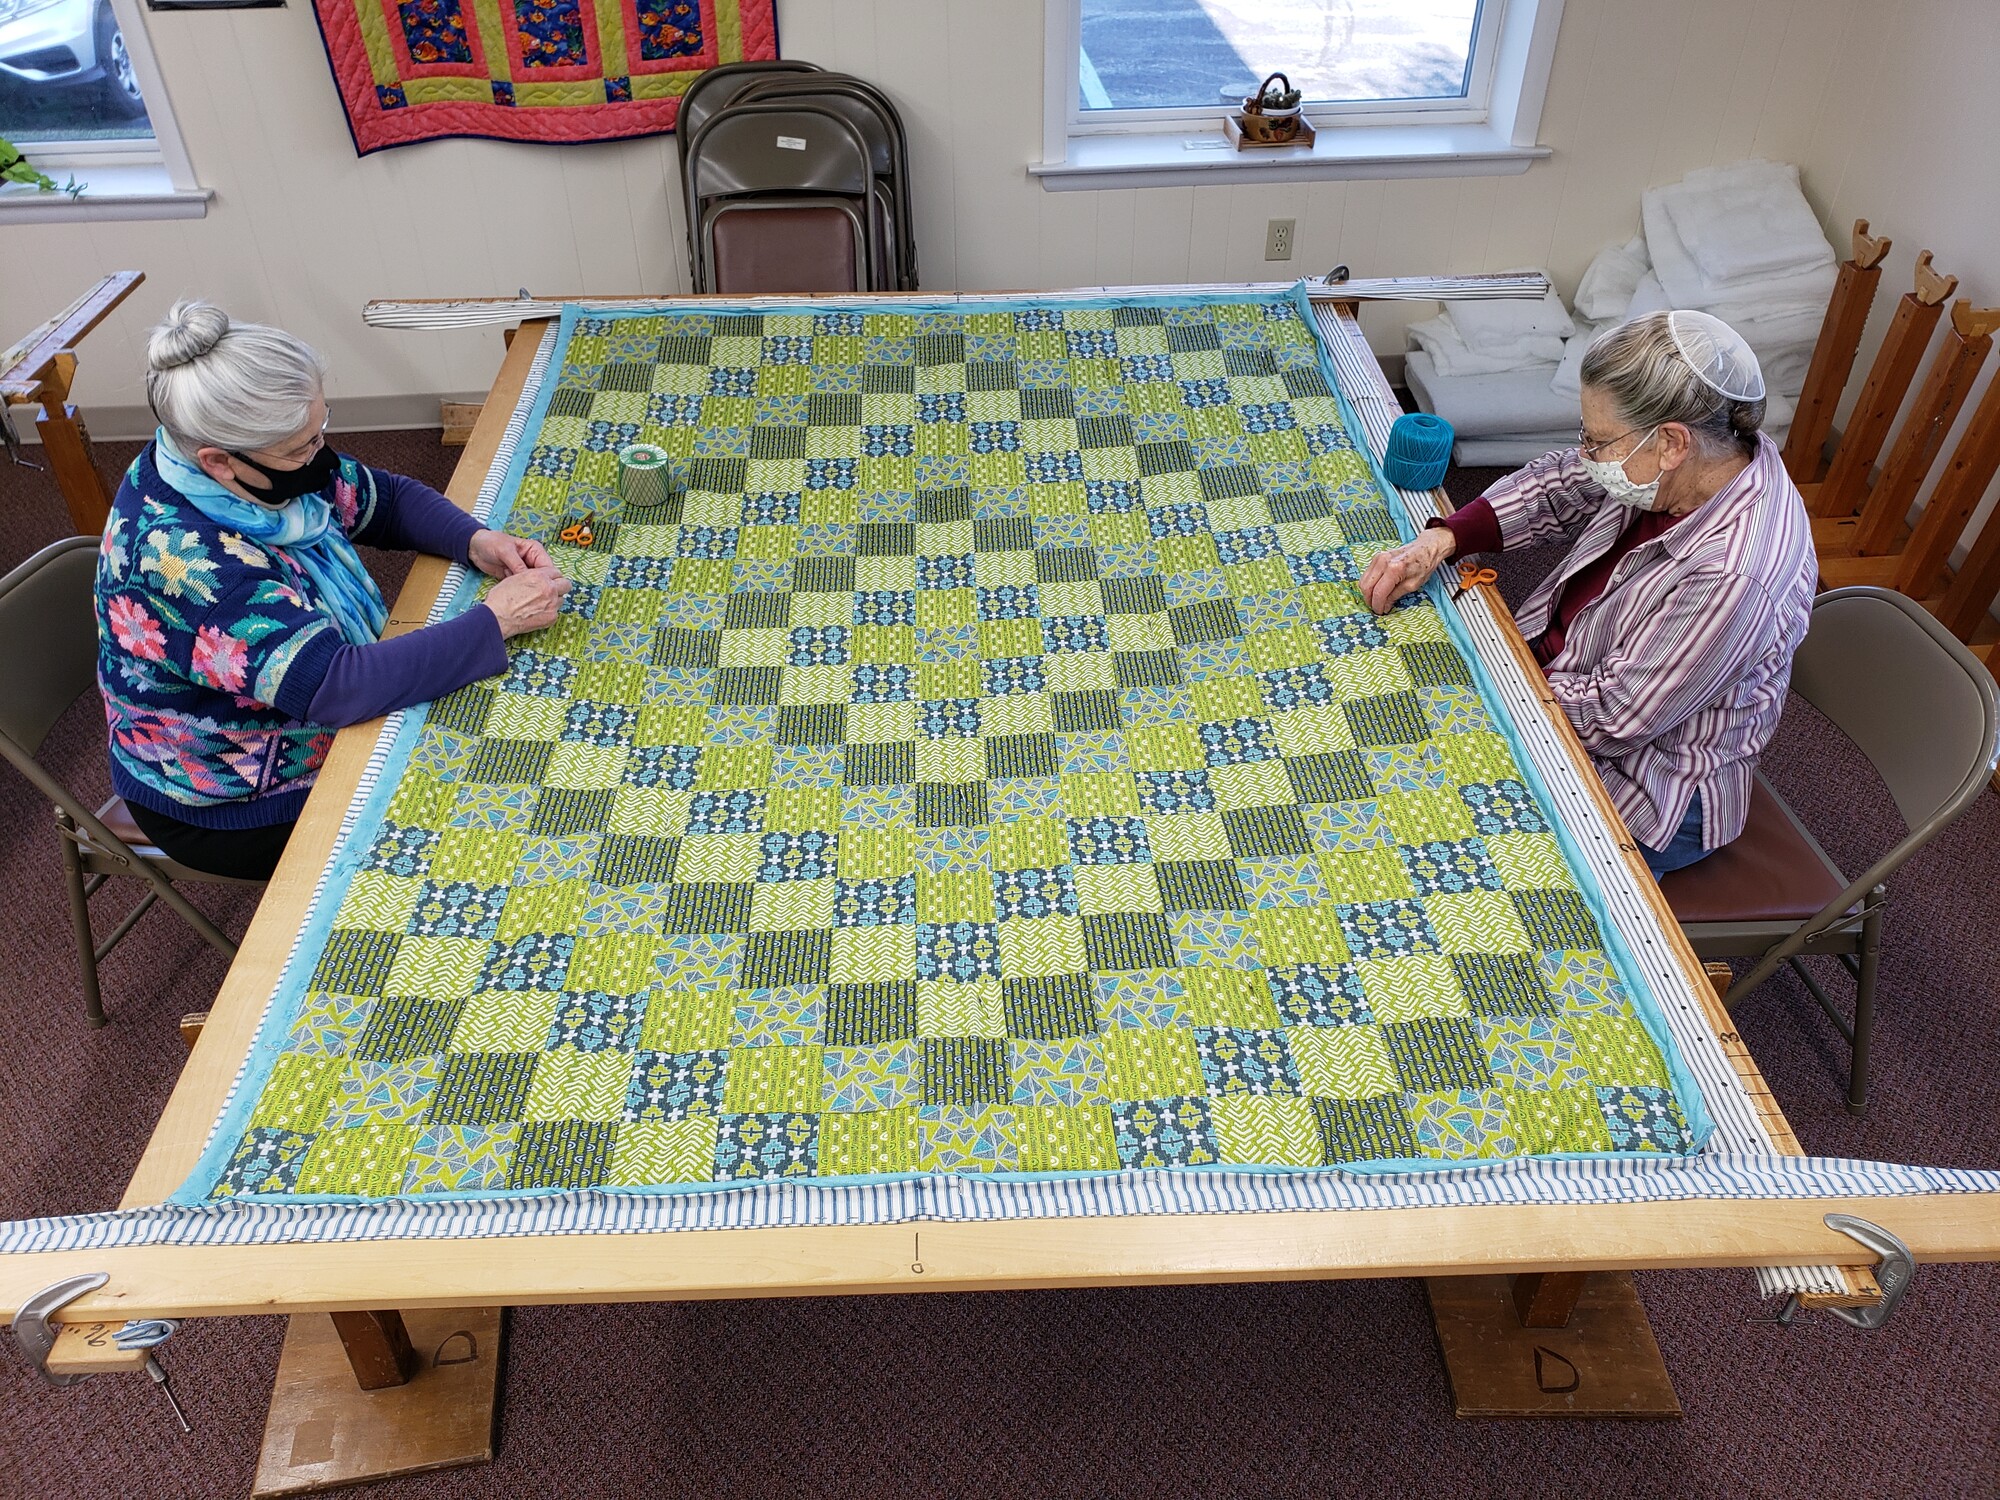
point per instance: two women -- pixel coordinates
(1667, 632)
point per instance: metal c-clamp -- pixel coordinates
(1894, 1275)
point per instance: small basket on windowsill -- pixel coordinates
(1270, 117)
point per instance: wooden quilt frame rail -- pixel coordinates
(171, 1281)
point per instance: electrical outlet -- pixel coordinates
(1278, 238)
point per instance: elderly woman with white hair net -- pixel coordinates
(237, 626)
(1667, 632)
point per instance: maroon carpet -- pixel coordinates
(1318, 1389)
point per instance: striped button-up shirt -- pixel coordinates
(1674, 677)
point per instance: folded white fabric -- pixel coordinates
(1451, 355)
(1509, 450)
(1745, 223)
(1568, 378)
(1649, 296)
(1497, 325)
(1609, 280)
(1518, 401)
(1686, 286)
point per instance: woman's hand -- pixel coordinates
(498, 555)
(1403, 570)
(528, 600)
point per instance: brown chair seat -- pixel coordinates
(116, 816)
(1773, 872)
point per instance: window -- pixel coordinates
(82, 100)
(1137, 89)
(1197, 58)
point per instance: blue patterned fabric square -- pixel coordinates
(457, 908)
(668, 1086)
(1008, 601)
(882, 684)
(672, 766)
(726, 812)
(766, 1146)
(1451, 868)
(534, 961)
(885, 607)
(949, 718)
(1034, 893)
(1163, 1133)
(1109, 841)
(1503, 807)
(796, 856)
(951, 571)
(1237, 741)
(1174, 791)
(1235, 1060)
(593, 1021)
(818, 646)
(1644, 1118)
(1319, 995)
(1386, 929)
(1013, 674)
(885, 901)
(961, 951)
(403, 851)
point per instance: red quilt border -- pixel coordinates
(374, 128)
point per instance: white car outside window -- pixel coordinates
(65, 59)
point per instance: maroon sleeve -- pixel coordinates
(1473, 528)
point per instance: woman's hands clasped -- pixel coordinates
(1403, 570)
(531, 588)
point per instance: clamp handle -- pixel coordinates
(1894, 1275)
(32, 1329)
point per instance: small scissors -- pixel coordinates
(578, 533)
(1470, 576)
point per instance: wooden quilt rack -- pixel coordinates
(1861, 499)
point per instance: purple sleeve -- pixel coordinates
(365, 682)
(410, 516)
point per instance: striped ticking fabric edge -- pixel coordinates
(953, 1199)
(1739, 1162)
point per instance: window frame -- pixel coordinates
(121, 179)
(1491, 129)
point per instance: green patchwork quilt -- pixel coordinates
(982, 762)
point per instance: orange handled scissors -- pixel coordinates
(578, 533)
(1471, 575)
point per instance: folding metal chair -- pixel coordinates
(869, 111)
(48, 629)
(1923, 711)
(710, 92)
(781, 196)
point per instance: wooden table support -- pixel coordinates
(40, 369)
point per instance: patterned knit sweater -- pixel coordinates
(223, 676)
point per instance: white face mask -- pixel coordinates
(1619, 485)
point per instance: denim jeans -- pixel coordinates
(1684, 848)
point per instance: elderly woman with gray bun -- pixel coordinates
(1667, 633)
(237, 626)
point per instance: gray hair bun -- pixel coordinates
(192, 328)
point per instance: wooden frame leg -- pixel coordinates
(377, 1345)
(1550, 1344)
(66, 442)
(362, 1396)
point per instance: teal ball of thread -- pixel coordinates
(1419, 451)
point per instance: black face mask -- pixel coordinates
(309, 478)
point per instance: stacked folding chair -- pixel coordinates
(795, 180)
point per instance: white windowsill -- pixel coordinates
(111, 193)
(1352, 151)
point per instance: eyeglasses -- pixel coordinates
(1593, 449)
(302, 452)
(1590, 450)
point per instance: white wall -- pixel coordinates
(1903, 137)
(302, 233)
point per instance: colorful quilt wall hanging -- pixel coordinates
(529, 70)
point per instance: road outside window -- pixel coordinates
(66, 76)
(1178, 54)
